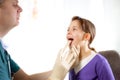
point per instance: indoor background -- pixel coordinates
(41, 33)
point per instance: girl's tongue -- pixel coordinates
(71, 41)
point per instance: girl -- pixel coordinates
(90, 65)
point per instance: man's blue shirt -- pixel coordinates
(7, 65)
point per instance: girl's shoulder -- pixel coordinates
(100, 59)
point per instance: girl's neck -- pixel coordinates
(84, 52)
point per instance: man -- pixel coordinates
(9, 18)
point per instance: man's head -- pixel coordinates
(9, 15)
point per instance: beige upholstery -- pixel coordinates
(113, 58)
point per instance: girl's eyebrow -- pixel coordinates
(74, 26)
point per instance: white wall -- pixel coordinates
(35, 43)
(104, 14)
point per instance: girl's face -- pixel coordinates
(75, 33)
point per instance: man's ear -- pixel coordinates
(87, 36)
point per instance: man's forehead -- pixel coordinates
(15, 0)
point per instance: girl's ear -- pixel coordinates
(87, 36)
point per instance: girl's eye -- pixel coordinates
(74, 29)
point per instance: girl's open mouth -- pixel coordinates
(71, 40)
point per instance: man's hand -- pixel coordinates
(65, 60)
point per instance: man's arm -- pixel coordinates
(41, 76)
(64, 62)
(21, 75)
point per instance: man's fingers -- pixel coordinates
(67, 45)
(72, 56)
(69, 58)
(72, 62)
(65, 49)
(75, 51)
